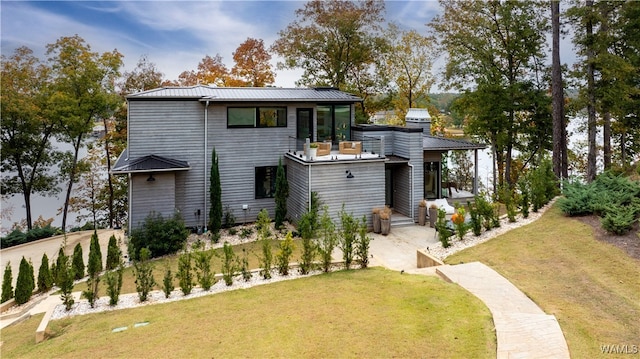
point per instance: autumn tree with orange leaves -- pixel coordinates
(252, 66)
(211, 71)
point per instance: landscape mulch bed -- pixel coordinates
(630, 242)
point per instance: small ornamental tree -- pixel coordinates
(113, 278)
(78, 262)
(215, 195)
(362, 244)
(45, 280)
(229, 264)
(327, 241)
(114, 254)
(95, 246)
(7, 283)
(263, 225)
(282, 192)
(348, 234)
(64, 278)
(143, 272)
(203, 266)
(284, 254)
(244, 266)
(25, 283)
(185, 273)
(167, 282)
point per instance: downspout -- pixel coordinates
(412, 199)
(206, 119)
(129, 195)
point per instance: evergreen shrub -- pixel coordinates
(283, 257)
(143, 272)
(25, 283)
(78, 262)
(45, 280)
(7, 284)
(160, 236)
(185, 273)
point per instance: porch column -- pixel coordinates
(475, 172)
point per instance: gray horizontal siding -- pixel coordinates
(240, 151)
(151, 196)
(359, 194)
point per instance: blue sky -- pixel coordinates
(175, 35)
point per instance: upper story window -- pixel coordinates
(249, 117)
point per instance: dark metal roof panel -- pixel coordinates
(149, 163)
(443, 143)
(256, 94)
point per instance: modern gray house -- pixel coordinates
(172, 132)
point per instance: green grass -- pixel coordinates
(364, 313)
(593, 288)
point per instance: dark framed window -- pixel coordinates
(249, 117)
(333, 123)
(265, 185)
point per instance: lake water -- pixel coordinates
(47, 207)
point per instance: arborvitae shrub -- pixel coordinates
(78, 262)
(95, 247)
(327, 240)
(24, 283)
(143, 272)
(160, 236)
(7, 283)
(362, 244)
(45, 280)
(284, 254)
(523, 187)
(185, 273)
(215, 196)
(348, 233)
(114, 254)
(282, 192)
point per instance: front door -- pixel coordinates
(304, 124)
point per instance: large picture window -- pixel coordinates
(249, 117)
(266, 181)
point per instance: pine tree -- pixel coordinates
(215, 194)
(78, 262)
(95, 246)
(7, 284)
(45, 280)
(24, 284)
(282, 192)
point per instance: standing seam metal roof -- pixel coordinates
(214, 94)
(442, 143)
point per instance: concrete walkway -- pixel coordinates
(523, 330)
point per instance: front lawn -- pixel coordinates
(358, 313)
